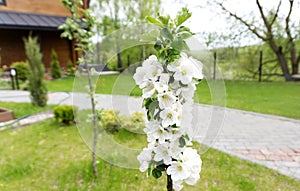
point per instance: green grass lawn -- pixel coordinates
(22, 109)
(46, 156)
(278, 98)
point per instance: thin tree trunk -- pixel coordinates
(95, 120)
(98, 53)
(119, 57)
(260, 65)
(143, 52)
(169, 183)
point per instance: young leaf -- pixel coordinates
(182, 16)
(154, 21)
(182, 142)
(147, 102)
(185, 34)
(164, 19)
(149, 169)
(166, 34)
(183, 28)
(178, 44)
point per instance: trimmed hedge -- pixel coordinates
(65, 114)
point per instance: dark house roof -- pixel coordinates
(30, 21)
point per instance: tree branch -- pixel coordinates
(266, 22)
(251, 27)
(272, 74)
(291, 38)
(287, 21)
(276, 13)
(270, 61)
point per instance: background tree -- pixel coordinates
(55, 69)
(281, 40)
(37, 86)
(120, 14)
(137, 12)
(111, 20)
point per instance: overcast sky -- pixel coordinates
(206, 18)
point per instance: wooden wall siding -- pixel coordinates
(52, 40)
(12, 47)
(50, 7)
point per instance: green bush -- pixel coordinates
(55, 69)
(25, 85)
(70, 69)
(22, 70)
(37, 86)
(65, 114)
(112, 121)
(109, 120)
(135, 123)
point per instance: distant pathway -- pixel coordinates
(269, 140)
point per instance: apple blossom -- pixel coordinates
(144, 158)
(169, 117)
(162, 153)
(178, 171)
(166, 99)
(168, 82)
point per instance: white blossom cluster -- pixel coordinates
(171, 88)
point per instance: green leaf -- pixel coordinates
(185, 46)
(178, 44)
(185, 34)
(154, 21)
(158, 46)
(147, 102)
(156, 173)
(182, 142)
(151, 109)
(149, 170)
(182, 16)
(187, 137)
(162, 167)
(153, 105)
(164, 19)
(184, 29)
(166, 34)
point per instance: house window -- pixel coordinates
(2, 2)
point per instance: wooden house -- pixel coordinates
(41, 17)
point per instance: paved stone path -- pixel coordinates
(26, 120)
(269, 140)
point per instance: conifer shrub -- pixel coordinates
(36, 86)
(70, 69)
(55, 69)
